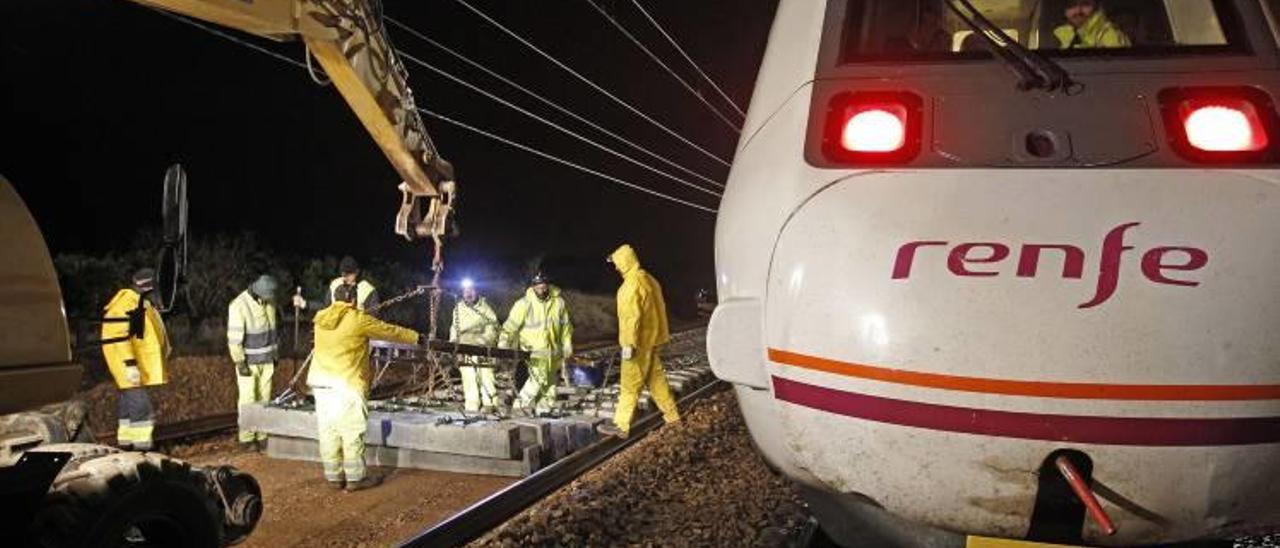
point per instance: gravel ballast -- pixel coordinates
(698, 482)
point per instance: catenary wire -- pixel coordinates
(551, 157)
(692, 90)
(443, 118)
(590, 83)
(559, 127)
(548, 102)
(673, 42)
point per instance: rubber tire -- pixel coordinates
(162, 496)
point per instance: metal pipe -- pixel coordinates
(1076, 481)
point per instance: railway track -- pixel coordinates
(199, 427)
(483, 516)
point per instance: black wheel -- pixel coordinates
(129, 500)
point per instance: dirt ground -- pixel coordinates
(300, 510)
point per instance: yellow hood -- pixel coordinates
(624, 259)
(329, 318)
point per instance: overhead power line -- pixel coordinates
(732, 125)
(548, 102)
(559, 127)
(443, 118)
(593, 85)
(547, 156)
(686, 56)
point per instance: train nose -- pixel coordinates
(951, 328)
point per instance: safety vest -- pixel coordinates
(251, 330)
(541, 327)
(474, 323)
(363, 290)
(341, 357)
(1096, 32)
(148, 351)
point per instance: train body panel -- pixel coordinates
(922, 338)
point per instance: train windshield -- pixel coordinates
(929, 30)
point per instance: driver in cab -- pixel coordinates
(1088, 27)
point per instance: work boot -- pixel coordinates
(610, 429)
(337, 485)
(367, 482)
(248, 446)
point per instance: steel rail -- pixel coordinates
(498, 508)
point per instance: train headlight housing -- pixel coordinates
(1220, 124)
(873, 128)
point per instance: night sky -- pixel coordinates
(99, 96)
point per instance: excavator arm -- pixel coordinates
(349, 40)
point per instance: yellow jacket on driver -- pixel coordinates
(642, 314)
(342, 334)
(149, 352)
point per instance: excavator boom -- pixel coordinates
(349, 40)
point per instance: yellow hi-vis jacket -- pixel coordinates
(642, 313)
(540, 327)
(474, 323)
(341, 358)
(364, 290)
(251, 330)
(149, 352)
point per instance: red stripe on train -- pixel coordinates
(1033, 426)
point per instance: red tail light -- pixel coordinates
(1220, 125)
(873, 128)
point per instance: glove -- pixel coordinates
(299, 302)
(628, 352)
(131, 373)
(242, 369)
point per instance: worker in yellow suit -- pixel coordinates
(539, 324)
(339, 380)
(474, 322)
(642, 330)
(135, 346)
(251, 340)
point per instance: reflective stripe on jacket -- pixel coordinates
(474, 323)
(150, 351)
(251, 330)
(541, 327)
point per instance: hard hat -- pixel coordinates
(348, 265)
(539, 278)
(144, 279)
(468, 283)
(264, 287)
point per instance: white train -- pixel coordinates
(941, 268)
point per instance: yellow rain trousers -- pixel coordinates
(642, 325)
(476, 324)
(542, 328)
(135, 416)
(339, 378)
(256, 388)
(251, 339)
